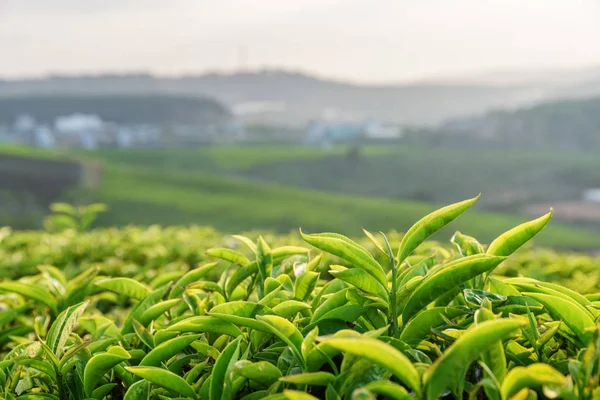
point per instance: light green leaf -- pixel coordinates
(448, 370)
(229, 255)
(205, 324)
(430, 224)
(165, 379)
(101, 363)
(348, 250)
(310, 378)
(447, 278)
(138, 391)
(125, 286)
(220, 385)
(262, 371)
(380, 353)
(62, 327)
(242, 313)
(510, 241)
(166, 350)
(362, 280)
(533, 376)
(31, 291)
(578, 320)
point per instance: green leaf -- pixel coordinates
(249, 243)
(166, 350)
(289, 308)
(165, 379)
(205, 324)
(374, 240)
(533, 376)
(34, 292)
(466, 245)
(220, 385)
(305, 284)
(103, 390)
(362, 280)
(262, 371)
(348, 250)
(101, 363)
(138, 391)
(421, 325)
(286, 331)
(229, 255)
(510, 241)
(388, 389)
(296, 395)
(448, 370)
(242, 313)
(287, 251)
(158, 309)
(533, 285)
(570, 312)
(40, 365)
(240, 275)
(447, 278)
(190, 277)
(476, 296)
(62, 327)
(310, 378)
(379, 353)
(63, 208)
(430, 224)
(334, 301)
(494, 356)
(125, 286)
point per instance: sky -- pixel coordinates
(355, 40)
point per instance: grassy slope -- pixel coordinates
(143, 196)
(442, 175)
(175, 187)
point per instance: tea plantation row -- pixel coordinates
(162, 313)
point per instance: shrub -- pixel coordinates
(257, 320)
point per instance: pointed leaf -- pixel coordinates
(510, 241)
(165, 379)
(379, 353)
(430, 224)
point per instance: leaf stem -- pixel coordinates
(393, 318)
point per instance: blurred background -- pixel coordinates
(320, 114)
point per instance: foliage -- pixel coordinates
(402, 317)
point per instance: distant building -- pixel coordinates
(43, 137)
(378, 130)
(591, 195)
(324, 133)
(24, 124)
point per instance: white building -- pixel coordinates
(377, 130)
(43, 137)
(592, 195)
(24, 123)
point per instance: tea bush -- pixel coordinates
(163, 313)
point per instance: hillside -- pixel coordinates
(158, 109)
(564, 125)
(509, 180)
(294, 98)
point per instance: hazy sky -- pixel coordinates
(362, 40)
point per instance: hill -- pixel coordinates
(564, 125)
(293, 98)
(121, 108)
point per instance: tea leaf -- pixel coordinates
(430, 224)
(165, 379)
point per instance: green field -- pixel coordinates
(221, 187)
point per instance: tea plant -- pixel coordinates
(144, 315)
